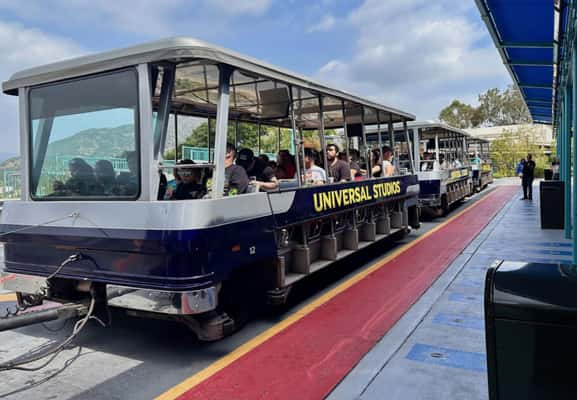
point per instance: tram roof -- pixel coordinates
(179, 49)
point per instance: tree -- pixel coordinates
(512, 146)
(495, 108)
(460, 115)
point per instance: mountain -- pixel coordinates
(105, 143)
(5, 156)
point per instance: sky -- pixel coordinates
(415, 55)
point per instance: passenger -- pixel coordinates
(190, 186)
(388, 167)
(82, 181)
(255, 167)
(339, 170)
(342, 156)
(354, 157)
(286, 166)
(105, 177)
(426, 165)
(235, 177)
(128, 181)
(313, 173)
(264, 158)
(377, 168)
(443, 165)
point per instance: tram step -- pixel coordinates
(317, 265)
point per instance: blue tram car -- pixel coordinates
(105, 140)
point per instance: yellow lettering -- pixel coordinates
(339, 197)
(317, 202)
(326, 201)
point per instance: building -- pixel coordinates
(542, 134)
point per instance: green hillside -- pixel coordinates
(107, 142)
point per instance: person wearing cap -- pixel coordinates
(255, 167)
(189, 185)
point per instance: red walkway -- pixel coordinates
(310, 357)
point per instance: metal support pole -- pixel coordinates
(367, 151)
(574, 126)
(417, 150)
(345, 132)
(408, 139)
(322, 133)
(567, 161)
(221, 129)
(293, 133)
(380, 142)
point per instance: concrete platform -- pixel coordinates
(437, 349)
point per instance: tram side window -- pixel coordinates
(84, 138)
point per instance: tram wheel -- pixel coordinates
(444, 205)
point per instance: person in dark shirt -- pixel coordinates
(235, 177)
(528, 176)
(189, 186)
(354, 156)
(339, 170)
(257, 168)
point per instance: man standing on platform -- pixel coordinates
(527, 179)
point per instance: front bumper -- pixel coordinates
(430, 201)
(149, 300)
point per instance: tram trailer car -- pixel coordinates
(75, 237)
(444, 170)
(481, 166)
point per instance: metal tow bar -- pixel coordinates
(65, 311)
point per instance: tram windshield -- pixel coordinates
(84, 138)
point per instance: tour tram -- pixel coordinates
(480, 159)
(99, 139)
(443, 164)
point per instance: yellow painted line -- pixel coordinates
(7, 297)
(240, 351)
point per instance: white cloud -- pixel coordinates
(417, 55)
(324, 25)
(21, 48)
(244, 7)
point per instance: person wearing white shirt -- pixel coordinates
(313, 173)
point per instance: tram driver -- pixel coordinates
(255, 167)
(338, 169)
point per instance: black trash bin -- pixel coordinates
(548, 174)
(552, 195)
(531, 331)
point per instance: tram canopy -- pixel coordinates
(430, 129)
(525, 34)
(259, 91)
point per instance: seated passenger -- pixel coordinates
(235, 177)
(313, 173)
(255, 167)
(339, 170)
(388, 167)
(128, 181)
(105, 177)
(442, 162)
(82, 181)
(377, 168)
(190, 186)
(286, 166)
(354, 157)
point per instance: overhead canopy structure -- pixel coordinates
(525, 33)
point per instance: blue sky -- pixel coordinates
(417, 55)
